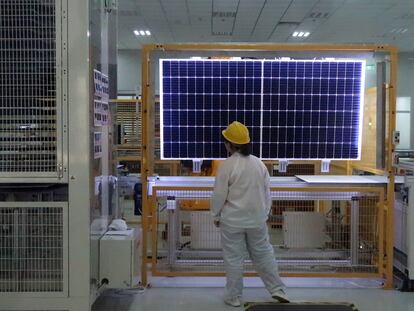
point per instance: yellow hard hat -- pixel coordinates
(237, 133)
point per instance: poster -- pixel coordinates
(97, 145)
(97, 112)
(101, 100)
(101, 84)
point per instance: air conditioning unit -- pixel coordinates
(304, 230)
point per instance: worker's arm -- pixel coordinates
(267, 192)
(221, 189)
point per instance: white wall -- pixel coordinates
(129, 72)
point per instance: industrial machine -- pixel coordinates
(403, 229)
(57, 183)
(311, 105)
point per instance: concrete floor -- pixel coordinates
(201, 294)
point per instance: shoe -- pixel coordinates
(234, 302)
(280, 296)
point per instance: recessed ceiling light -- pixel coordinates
(306, 34)
(142, 32)
(295, 34)
(301, 34)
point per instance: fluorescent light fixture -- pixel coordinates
(136, 32)
(142, 32)
(306, 34)
(301, 34)
(88, 33)
(295, 34)
(147, 32)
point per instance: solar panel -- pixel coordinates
(308, 109)
(311, 109)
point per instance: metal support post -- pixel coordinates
(354, 231)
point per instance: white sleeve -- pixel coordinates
(268, 198)
(221, 189)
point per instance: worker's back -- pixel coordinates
(248, 200)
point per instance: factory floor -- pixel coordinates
(198, 294)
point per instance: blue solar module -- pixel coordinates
(294, 109)
(311, 109)
(200, 98)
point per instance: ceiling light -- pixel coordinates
(136, 32)
(306, 34)
(142, 32)
(295, 34)
(301, 34)
(147, 32)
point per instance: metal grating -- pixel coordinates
(31, 249)
(28, 86)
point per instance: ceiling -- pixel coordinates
(328, 21)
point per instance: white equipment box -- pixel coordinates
(120, 258)
(304, 230)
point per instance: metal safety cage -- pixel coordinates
(386, 58)
(32, 92)
(315, 232)
(33, 249)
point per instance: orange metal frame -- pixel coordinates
(381, 237)
(147, 165)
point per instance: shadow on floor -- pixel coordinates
(115, 300)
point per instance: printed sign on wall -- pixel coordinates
(101, 105)
(97, 145)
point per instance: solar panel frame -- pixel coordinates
(205, 91)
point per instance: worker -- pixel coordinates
(240, 206)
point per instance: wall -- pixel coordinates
(129, 72)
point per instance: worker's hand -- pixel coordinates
(217, 223)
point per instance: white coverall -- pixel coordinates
(241, 202)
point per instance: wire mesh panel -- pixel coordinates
(32, 249)
(28, 125)
(311, 232)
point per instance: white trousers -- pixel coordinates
(235, 242)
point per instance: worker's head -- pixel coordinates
(236, 138)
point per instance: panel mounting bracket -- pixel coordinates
(283, 164)
(197, 165)
(325, 166)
